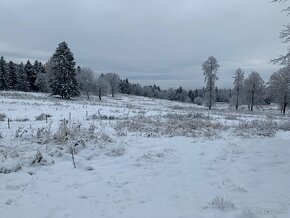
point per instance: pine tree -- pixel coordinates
(23, 84)
(13, 79)
(31, 75)
(64, 81)
(42, 79)
(4, 76)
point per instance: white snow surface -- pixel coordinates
(140, 174)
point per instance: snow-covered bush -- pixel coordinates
(285, 126)
(222, 203)
(198, 100)
(25, 119)
(14, 169)
(115, 151)
(42, 116)
(169, 125)
(2, 116)
(43, 135)
(38, 159)
(258, 127)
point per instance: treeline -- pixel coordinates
(60, 76)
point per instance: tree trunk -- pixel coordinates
(285, 103)
(88, 95)
(237, 101)
(100, 96)
(252, 100)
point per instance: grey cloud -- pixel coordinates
(159, 41)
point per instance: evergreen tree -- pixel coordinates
(42, 79)
(4, 76)
(125, 86)
(23, 84)
(13, 79)
(64, 81)
(31, 75)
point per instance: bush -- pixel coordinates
(2, 116)
(266, 128)
(222, 203)
(198, 100)
(42, 116)
(43, 135)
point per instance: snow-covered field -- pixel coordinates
(137, 157)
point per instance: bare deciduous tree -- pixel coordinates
(285, 36)
(114, 81)
(210, 68)
(102, 86)
(255, 87)
(280, 87)
(239, 87)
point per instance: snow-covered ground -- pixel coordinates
(137, 157)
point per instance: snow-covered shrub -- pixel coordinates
(169, 125)
(20, 119)
(115, 151)
(38, 158)
(198, 100)
(25, 133)
(258, 127)
(231, 117)
(74, 133)
(43, 135)
(2, 116)
(104, 137)
(14, 169)
(285, 126)
(101, 117)
(42, 116)
(222, 203)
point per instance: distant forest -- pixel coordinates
(60, 76)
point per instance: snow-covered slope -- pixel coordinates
(138, 157)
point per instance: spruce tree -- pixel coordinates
(31, 75)
(64, 81)
(23, 84)
(13, 79)
(4, 76)
(42, 80)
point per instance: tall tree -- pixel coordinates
(280, 87)
(114, 81)
(102, 86)
(4, 75)
(12, 70)
(31, 77)
(239, 78)
(42, 79)
(64, 81)
(23, 84)
(210, 68)
(85, 79)
(125, 86)
(285, 36)
(255, 87)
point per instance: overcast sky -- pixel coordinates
(150, 41)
